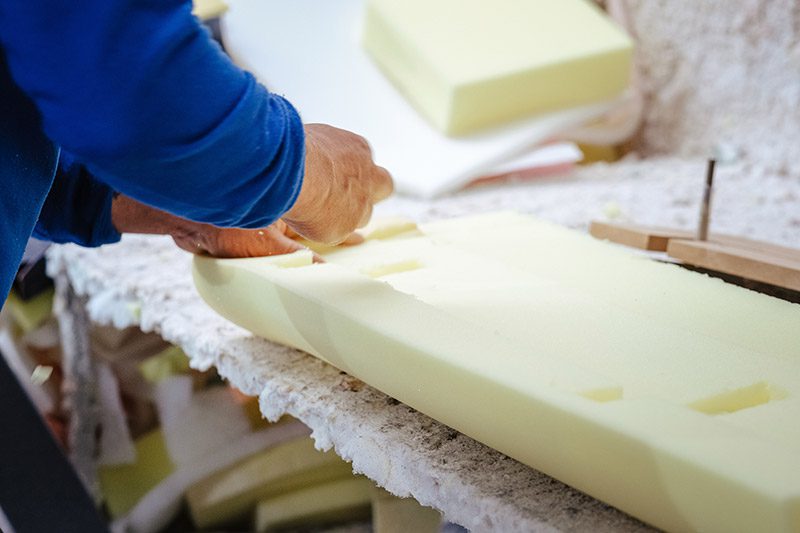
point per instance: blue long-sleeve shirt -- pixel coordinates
(141, 101)
(77, 208)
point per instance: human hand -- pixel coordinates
(275, 239)
(340, 187)
(130, 216)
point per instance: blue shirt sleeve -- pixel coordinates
(141, 95)
(77, 208)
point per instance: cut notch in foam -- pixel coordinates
(380, 270)
(735, 400)
(387, 228)
(300, 258)
(602, 395)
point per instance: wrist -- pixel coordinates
(130, 216)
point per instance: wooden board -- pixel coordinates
(652, 238)
(738, 256)
(765, 263)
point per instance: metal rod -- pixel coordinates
(705, 206)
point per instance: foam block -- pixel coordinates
(169, 362)
(668, 394)
(155, 510)
(123, 486)
(228, 495)
(391, 514)
(30, 314)
(336, 501)
(470, 64)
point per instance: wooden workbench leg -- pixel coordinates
(80, 382)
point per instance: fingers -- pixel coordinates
(366, 215)
(350, 240)
(381, 181)
(274, 241)
(383, 185)
(353, 239)
(341, 185)
(283, 244)
(289, 232)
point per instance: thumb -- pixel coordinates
(272, 241)
(278, 243)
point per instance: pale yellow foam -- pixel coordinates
(668, 394)
(470, 64)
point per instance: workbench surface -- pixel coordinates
(146, 282)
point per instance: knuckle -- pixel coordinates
(362, 145)
(385, 177)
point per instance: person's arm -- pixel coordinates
(77, 208)
(139, 93)
(130, 216)
(82, 210)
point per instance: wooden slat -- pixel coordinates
(739, 256)
(653, 238)
(757, 261)
(792, 254)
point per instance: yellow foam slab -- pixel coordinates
(169, 362)
(470, 64)
(30, 314)
(335, 501)
(663, 392)
(391, 514)
(231, 493)
(123, 486)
